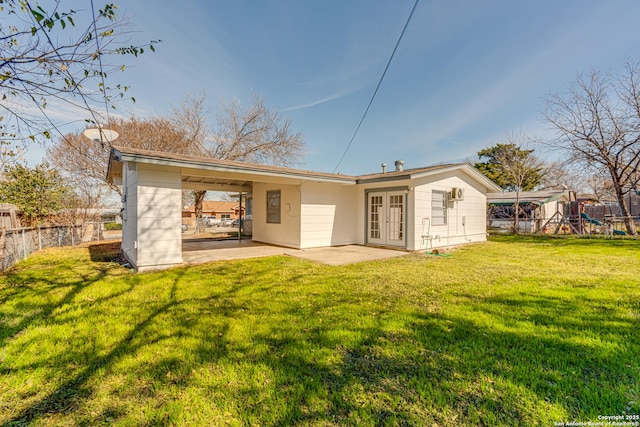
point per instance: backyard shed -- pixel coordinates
(537, 208)
(412, 209)
(9, 216)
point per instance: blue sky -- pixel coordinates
(465, 72)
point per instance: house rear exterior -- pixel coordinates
(413, 209)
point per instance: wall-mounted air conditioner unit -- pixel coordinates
(456, 194)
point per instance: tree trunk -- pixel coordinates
(516, 221)
(199, 198)
(625, 211)
(3, 238)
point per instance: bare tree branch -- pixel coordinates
(598, 125)
(37, 66)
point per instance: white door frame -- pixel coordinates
(386, 222)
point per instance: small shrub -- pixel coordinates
(111, 226)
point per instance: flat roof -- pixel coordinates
(536, 197)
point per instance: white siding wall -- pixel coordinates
(130, 212)
(159, 212)
(287, 233)
(472, 209)
(328, 215)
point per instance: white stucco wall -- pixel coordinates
(287, 233)
(328, 215)
(158, 202)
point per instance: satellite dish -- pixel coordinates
(101, 135)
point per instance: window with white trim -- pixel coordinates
(273, 206)
(438, 207)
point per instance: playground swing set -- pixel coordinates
(571, 218)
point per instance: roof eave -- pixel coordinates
(488, 184)
(217, 167)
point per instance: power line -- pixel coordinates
(104, 87)
(378, 86)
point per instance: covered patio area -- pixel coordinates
(198, 251)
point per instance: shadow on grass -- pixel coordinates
(568, 240)
(105, 252)
(39, 290)
(65, 397)
(329, 357)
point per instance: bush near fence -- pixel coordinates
(18, 243)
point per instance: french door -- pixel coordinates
(386, 218)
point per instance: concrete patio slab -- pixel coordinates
(198, 251)
(349, 254)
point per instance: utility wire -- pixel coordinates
(104, 87)
(377, 87)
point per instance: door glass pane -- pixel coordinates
(396, 212)
(375, 217)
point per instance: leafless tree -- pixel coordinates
(598, 124)
(190, 118)
(557, 177)
(256, 134)
(85, 160)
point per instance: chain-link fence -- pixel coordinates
(17, 244)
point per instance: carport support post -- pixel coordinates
(240, 221)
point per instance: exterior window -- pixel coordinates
(225, 216)
(273, 207)
(438, 207)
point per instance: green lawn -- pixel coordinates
(517, 331)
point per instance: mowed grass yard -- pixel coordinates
(517, 331)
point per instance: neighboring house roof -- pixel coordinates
(593, 198)
(94, 212)
(525, 197)
(122, 154)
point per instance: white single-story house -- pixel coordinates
(413, 209)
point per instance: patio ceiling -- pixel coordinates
(194, 182)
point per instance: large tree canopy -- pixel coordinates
(38, 192)
(598, 126)
(254, 133)
(513, 168)
(510, 166)
(61, 57)
(86, 160)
